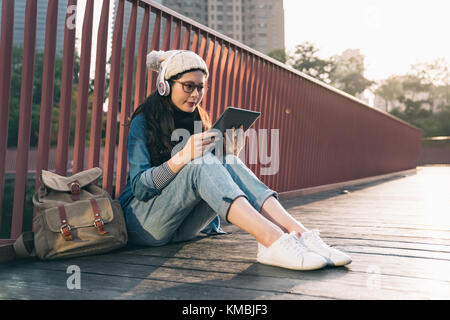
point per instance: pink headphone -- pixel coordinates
(163, 85)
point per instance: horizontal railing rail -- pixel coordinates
(325, 135)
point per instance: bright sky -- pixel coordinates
(96, 20)
(391, 34)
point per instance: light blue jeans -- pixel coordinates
(197, 194)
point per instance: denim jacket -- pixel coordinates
(140, 184)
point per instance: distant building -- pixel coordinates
(127, 15)
(257, 23)
(194, 9)
(263, 24)
(19, 24)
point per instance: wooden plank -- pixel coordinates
(7, 252)
(231, 260)
(325, 283)
(38, 283)
(391, 265)
(399, 251)
(345, 184)
(426, 247)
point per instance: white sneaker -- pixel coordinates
(312, 241)
(288, 253)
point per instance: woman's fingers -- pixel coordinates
(241, 135)
(204, 141)
(203, 138)
(232, 141)
(208, 147)
(208, 136)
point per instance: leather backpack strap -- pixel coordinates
(65, 226)
(75, 190)
(24, 245)
(98, 221)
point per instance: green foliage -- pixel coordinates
(305, 60)
(16, 84)
(278, 54)
(348, 73)
(424, 94)
(7, 208)
(421, 97)
(352, 82)
(345, 72)
(431, 124)
(390, 90)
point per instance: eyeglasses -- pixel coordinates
(189, 87)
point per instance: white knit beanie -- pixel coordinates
(182, 61)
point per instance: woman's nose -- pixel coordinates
(195, 92)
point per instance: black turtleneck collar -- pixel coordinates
(184, 119)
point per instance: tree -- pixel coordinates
(14, 110)
(443, 97)
(430, 77)
(390, 90)
(425, 96)
(305, 60)
(348, 72)
(278, 54)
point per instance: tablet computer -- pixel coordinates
(235, 117)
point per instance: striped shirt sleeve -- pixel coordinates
(162, 175)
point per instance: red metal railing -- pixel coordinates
(325, 135)
(435, 150)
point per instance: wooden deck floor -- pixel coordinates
(396, 230)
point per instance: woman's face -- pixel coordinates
(190, 81)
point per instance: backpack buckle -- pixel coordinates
(98, 221)
(65, 231)
(75, 190)
(99, 224)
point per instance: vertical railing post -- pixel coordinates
(187, 37)
(236, 78)
(242, 73)
(99, 88)
(214, 71)
(251, 96)
(203, 45)
(291, 132)
(221, 83)
(26, 104)
(48, 82)
(6, 50)
(139, 92)
(154, 45)
(167, 33)
(127, 87)
(83, 89)
(265, 89)
(66, 93)
(272, 124)
(284, 133)
(208, 59)
(177, 36)
(195, 40)
(228, 82)
(111, 122)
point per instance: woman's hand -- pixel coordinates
(197, 144)
(234, 140)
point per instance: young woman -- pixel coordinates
(169, 197)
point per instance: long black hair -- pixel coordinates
(158, 111)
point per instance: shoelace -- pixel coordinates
(294, 246)
(315, 235)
